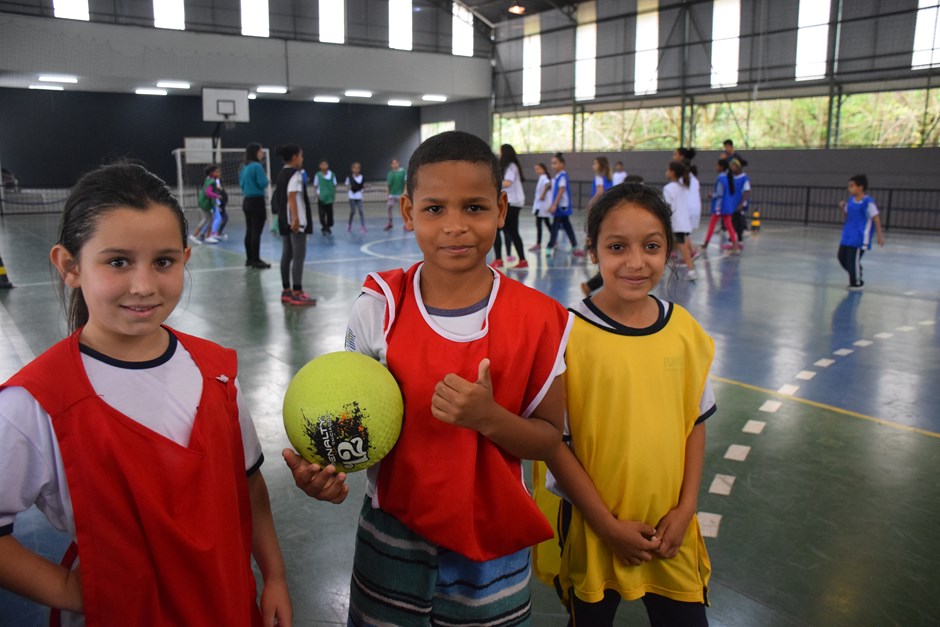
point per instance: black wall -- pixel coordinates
(49, 139)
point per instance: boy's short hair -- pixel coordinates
(727, 142)
(861, 180)
(452, 146)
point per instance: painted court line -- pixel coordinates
(905, 329)
(788, 389)
(842, 352)
(863, 343)
(754, 426)
(805, 375)
(722, 484)
(771, 407)
(824, 363)
(737, 452)
(709, 524)
(883, 336)
(9, 329)
(927, 323)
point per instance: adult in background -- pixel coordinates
(254, 184)
(515, 195)
(731, 154)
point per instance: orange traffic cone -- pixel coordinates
(755, 221)
(4, 280)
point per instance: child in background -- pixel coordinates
(221, 215)
(630, 474)
(208, 202)
(676, 195)
(294, 222)
(742, 196)
(515, 197)
(619, 175)
(447, 522)
(561, 206)
(685, 155)
(722, 206)
(394, 187)
(354, 181)
(325, 182)
(254, 183)
(541, 203)
(602, 179)
(860, 215)
(133, 438)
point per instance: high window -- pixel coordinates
(169, 14)
(812, 40)
(926, 36)
(726, 32)
(531, 61)
(646, 61)
(333, 21)
(71, 9)
(462, 28)
(585, 52)
(255, 21)
(399, 24)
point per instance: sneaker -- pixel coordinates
(727, 246)
(856, 288)
(388, 227)
(195, 240)
(349, 228)
(285, 296)
(535, 249)
(510, 259)
(362, 229)
(522, 265)
(211, 240)
(261, 265)
(691, 275)
(577, 252)
(497, 263)
(220, 237)
(301, 299)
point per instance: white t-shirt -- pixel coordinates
(354, 195)
(618, 177)
(694, 201)
(163, 396)
(540, 206)
(677, 197)
(515, 194)
(296, 184)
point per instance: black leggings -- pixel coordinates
(255, 215)
(538, 228)
(510, 231)
(562, 222)
(851, 259)
(662, 611)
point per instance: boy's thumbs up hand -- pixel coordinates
(464, 403)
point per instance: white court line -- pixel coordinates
(805, 375)
(842, 352)
(9, 330)
(863, 343)
(737, 452)
(788, 389)
(824, 363)
(709, 524)
(883, 336)
(905, 329)
(722, 484)
(754, 426)
(927, 323)
(771, 407)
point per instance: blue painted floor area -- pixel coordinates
(820, 479)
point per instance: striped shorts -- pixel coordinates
(400, 580)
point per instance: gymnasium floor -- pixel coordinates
(821, 485)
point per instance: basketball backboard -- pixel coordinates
(224, 105)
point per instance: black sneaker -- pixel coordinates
(261, 264)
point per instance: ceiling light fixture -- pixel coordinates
(174, 85)
(57, 78)
(150, 91)
(399, 103)
(517, 9)
(271, 89)
(252, 96)
(434, 98)
(330, 99)
(48, 87)
(358, 93)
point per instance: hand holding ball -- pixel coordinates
(343, 409)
